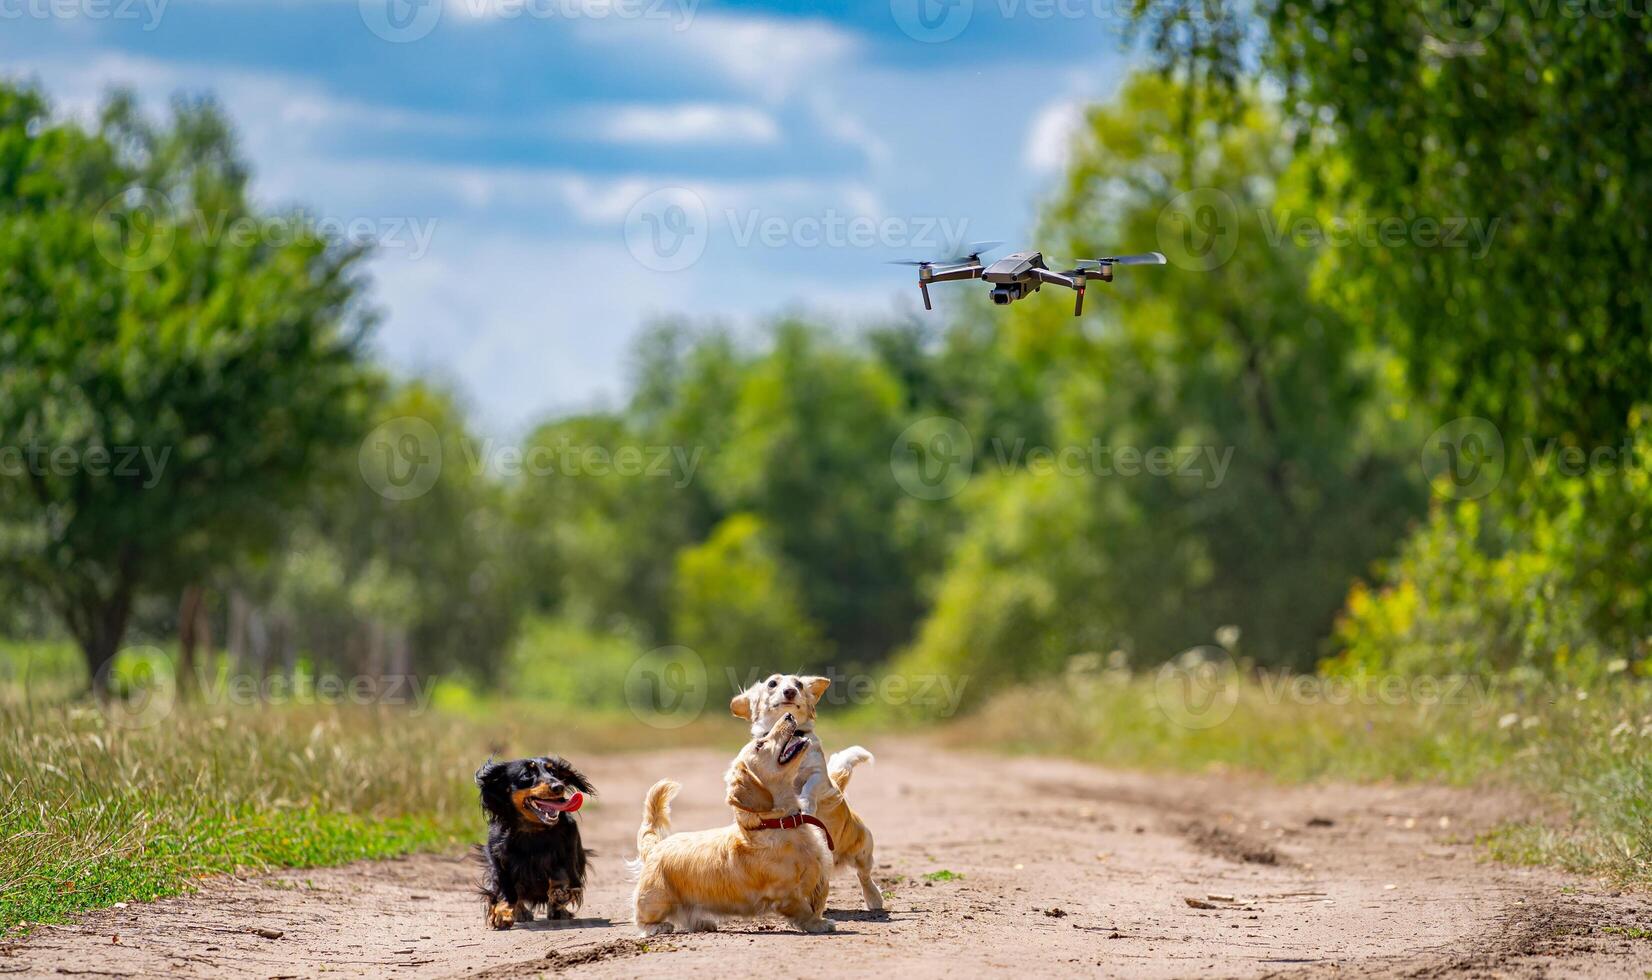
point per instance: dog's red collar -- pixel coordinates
(794, 821)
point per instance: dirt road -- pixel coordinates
(1030, 866)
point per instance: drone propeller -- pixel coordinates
(1103, 269)
(972, 253)
(1143, 258)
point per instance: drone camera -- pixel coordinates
(1005, 295)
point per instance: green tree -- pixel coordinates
(809, 455)
(1528, 119)
(1289, 474)
(599, 510)
(1528, 125)
(736, 603)
(133, 320)
(427, 573)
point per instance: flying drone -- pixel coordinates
(1020, 274)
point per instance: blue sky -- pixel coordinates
(546, 175)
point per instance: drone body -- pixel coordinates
(1020, 274)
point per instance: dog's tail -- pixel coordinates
(656, 816)
(842, 765)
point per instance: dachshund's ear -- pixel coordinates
(489, 769)
(568, 774)
(745, 792)
(741, 705)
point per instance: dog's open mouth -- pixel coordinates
(792, 747)
(550, 811)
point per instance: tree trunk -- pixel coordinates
(258, 641)
(401, 653)
(375, 649)
(286, 645)
(191, 616)
(98, 624)
(236, 640)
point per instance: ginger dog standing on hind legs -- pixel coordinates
(820, 782)
(770, 861)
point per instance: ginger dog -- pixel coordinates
(820, 783)
(770, 861)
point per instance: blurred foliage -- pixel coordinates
(1532, 122)
(1532, 116)
(808, 453)
(426, 584)
(594, 543)
(737, 604)
(1291, 428)
(1560, 591)
(181, 381)
(557, 662)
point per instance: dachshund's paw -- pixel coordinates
(501, 916)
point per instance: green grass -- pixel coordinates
(1586, 754)
(92, 813)
(40, 671)
(943, 875)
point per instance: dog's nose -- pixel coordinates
(791, 692)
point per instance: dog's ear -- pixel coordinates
(746, 792)
(489, 770)
(741, 705)
(816, 686)
(568, 774)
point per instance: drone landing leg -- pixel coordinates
(1078, 301)
(924, 288)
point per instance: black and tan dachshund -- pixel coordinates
(534, 854)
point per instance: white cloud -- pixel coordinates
(847, 128)
(767, 56)
(1050, 138)
(677, 13)
(277, 115)
(697, 122)
(525, 325)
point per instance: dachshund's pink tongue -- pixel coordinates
(573, 803)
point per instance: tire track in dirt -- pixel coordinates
(1053, 867)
